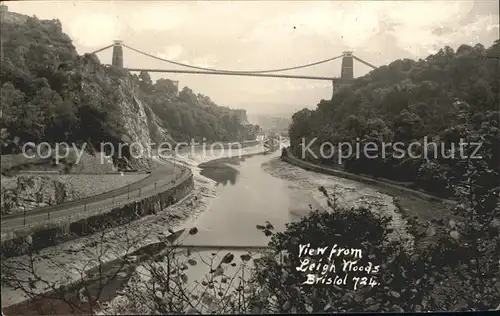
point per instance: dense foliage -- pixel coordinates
(386, 287)
(447, 97)
(49, 93)
(277, 124)
(429, 107)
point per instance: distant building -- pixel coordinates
(176, 85)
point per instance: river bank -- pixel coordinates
(406, 187)
(252, 198)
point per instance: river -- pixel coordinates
(252, 190)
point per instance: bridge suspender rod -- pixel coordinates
(234, 71)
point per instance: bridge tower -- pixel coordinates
(346, 72)
(117, 60)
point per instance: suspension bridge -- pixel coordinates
(346, 74)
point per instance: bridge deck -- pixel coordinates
(335, 80)
(221, 247)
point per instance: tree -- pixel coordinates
(145, 78)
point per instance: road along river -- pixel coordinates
(250, 191)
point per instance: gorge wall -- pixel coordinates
(65, 97)
(62, 232)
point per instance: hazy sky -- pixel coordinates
(250, 35)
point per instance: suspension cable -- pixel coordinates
(232, 71)
(100, 50)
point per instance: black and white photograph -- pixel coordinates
(249, 157)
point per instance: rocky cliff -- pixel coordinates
(136, 125)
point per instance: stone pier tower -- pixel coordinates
(346, 72)
(117, 60)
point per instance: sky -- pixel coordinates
(260, 35)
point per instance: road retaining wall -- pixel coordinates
(219, 146)
(59, 232)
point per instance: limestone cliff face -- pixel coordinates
(136, 125)
(85, 102)
(103, 101)
(241, 115)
